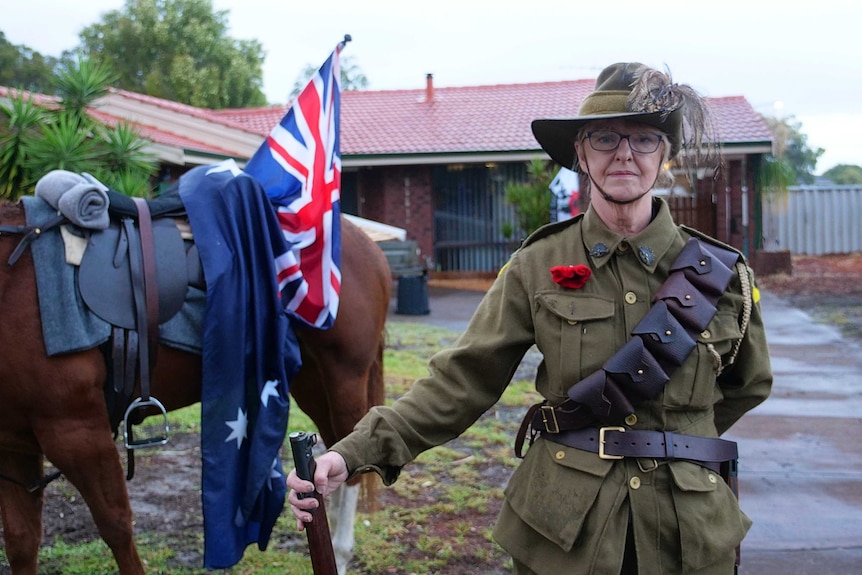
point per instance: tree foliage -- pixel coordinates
(531, 199)
(20, 121)
(35, 139)
(775, 176)
(791, 146)
(844, 174)
(23, 68)
(178, 50)
(352, 77)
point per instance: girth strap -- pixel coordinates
(144, 338)
(145, 288)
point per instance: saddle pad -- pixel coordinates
(105, 281)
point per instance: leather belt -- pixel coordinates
(619, 442)
(556, 418)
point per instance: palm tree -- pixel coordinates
(20, 121)
(35, 140)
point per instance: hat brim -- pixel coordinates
(557, 136)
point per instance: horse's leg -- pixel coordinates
(342, 368)
(312, 394)
(21, 510)
(77, 439)
(335, 393)
(341, 510)
(88, 458)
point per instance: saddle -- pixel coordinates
(106, 275)
(135, 275)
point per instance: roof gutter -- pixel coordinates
(377, 160)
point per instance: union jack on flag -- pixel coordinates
(299, 166)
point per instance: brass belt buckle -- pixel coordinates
(549, 417)
(602, 454)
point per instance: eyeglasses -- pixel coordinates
(608, 140)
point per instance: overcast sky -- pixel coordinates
(801, 60)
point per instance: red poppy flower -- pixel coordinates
(573, 277)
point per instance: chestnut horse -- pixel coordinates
(54, 407)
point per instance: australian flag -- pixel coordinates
(299, 166)
(249, 356)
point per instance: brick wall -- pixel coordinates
(400, 196)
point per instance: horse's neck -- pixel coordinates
(11, 213)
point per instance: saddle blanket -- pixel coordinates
(68, 326)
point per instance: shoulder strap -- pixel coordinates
(682, 309)
(662, 340)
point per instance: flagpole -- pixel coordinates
(347, 38)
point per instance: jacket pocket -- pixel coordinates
(573, 331)
(693, 385)
(708, 514)
(554, 489)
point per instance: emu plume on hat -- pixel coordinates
(629, 90)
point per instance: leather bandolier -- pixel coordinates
(591, 418)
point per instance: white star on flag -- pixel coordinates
(239, 427)
(274, 473)
(269, 390)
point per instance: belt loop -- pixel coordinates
(668, 445)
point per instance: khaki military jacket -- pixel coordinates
(566, 510)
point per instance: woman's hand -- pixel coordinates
(330, 473)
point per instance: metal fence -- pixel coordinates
(814, 220)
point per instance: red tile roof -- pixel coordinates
(737, 122)
(468, 119)
(160, 136)
(258, 120)
(492, 118)
(201, 113)
(38, 99)
(474, 119)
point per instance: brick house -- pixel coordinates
(435, 160)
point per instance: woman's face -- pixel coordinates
(628, 171)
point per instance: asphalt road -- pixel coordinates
(800, 451)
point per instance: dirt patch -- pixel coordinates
(165, 497)
(827, 287)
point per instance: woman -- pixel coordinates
(653, 345)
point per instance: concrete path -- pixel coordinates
(800, 451)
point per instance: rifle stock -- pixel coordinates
(319, 539)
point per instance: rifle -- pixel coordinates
(319, 538)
